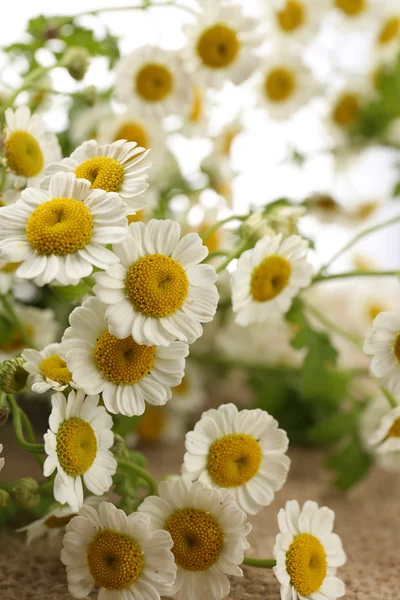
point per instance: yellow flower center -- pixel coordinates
(197, 537)
(234, 459)
(115, 560)
(196, 111)
(154, 82)
(55, 368)
(390, 31)
(59, 226)
(374, 310)
(23, 154)
(292, 16)
(10, 267)
(152, 423)
(183, 387)
(213, 240)
(346, 110)
(394, 431)
(138, 216)
(16, 342)
(351, 7)
(280, 84)
(54, 522)
(218, 46)
(123, 361)
(157, 285)
(396, 347)
(133, 131)
(270, 278)
(76, 446)
(228, 139)
(306, 564)
(103, 172)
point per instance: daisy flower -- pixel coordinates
(28, 147)
(242, 451)
(383, 344)
(220, 44)
(60, 235)
(2, 459)
(344, 110)
(118, 554)
(357, 12)
(189, 395)
(159, 424)
(286, 84)
(268, 277)
(47, 369)
(125, 371)
(197, 119)
(53, 524)
(40, 325)
(379, 432)
(153, 82)
(159, 292)
(78, 446)
(387, 437)
(307, 553)
(116, 168)
(388, 33)
(208, 531)
(7, 275)
(296, 20)
(369, 301)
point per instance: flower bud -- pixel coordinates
(119, 446)
(13, 376)
(26, 492)
(89, 95)
(4, 498)
(76, 61)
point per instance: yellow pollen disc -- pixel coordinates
(394, 431)
(59, 226)
(123, 361)
(390, 31)
(16, 342)
(292, 16)
(270, 278)
(103, 172)
(374, 310)
(183, 387)
(114, 559)
(218, 46)
(133, 132)
(197, 537)
(306, 564)
(55, 368)
(10, 267)
(76, 446)
(396, 347)
(138, 216)
(23, 154)
(152, 423)
(54, 522)
(196, 111)
(346, 110)
(154, 82)
(280, 84)
(157, 285)
(234, 459)
(351, 7)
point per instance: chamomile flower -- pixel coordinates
(47, 369)
(125, 371)
(208, 531)
(78, 447)
(242, 451)
(268, 277)
(189, 395)
(296, 20)
(28, 147)
(153, 82)
(7, 276)
(355, 13)
(345, 105)
(59, 235)
(159, 424)
(383, 344)
(2, 459)
(221, 238)
(118, 554)
(307, 553)
(159, 292)
(220, 45)
(387, 42)
(115, 168)
(285, 83)
(387, 437)
(379, 431)
(53, 524)
(197, 120)
(39, 324)
(368, 301)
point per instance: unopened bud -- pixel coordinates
(119, 446)
(76, 61)
(89, 95)
(26, 492)
(13, 376)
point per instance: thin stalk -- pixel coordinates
(319, 277)
(357, 238)
(142, 473)
(27, 426)
(390, 398)
(32, 76)
(15, 319)
(232, 256)
(146, 4)
(18, 430)
(210, 230)
(217, 253)
(332, 326)
(262, 563)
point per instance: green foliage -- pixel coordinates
(349, 464)
(6, 330)
(127, 485)
(125, 425)
(70, 293)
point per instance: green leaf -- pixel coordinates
(70, 292)
(7, 330)
(334, 428)
(125, 425)
(396, 190)
(350, 464)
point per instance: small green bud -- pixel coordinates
(26, 492)
(4, 498)
(13, 376)
(119, 447)
(89, 95)
(76, 61)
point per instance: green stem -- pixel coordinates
(27, 425)
(146, 4)
(46, 487)
(319, 277)
(332, 326)
(217, 253)
(18, 430)
(232, 256)
(140, 472)
(262, 563)
(32, 76)
(210, 230)
(391, 399)
(357, 238)
(15, 319)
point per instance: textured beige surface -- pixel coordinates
(368, 519)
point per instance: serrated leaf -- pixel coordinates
(350, 464)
